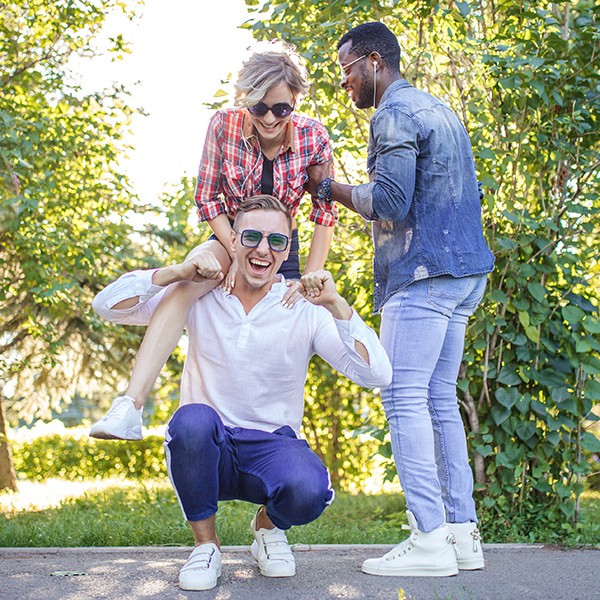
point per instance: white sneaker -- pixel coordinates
(202, 569)
(428, 554)
(271, 550)
(123, 421)
(469, 553)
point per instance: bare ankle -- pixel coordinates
(262, 520)
(139, 404)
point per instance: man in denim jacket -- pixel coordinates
(430, 268)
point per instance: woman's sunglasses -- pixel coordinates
(251, 238)
(279, 110)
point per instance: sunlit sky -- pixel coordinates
(181, 50)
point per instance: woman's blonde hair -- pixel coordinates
(268, 66)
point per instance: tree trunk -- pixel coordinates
(8, 478)
(468, 403)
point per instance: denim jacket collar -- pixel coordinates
(395, 85)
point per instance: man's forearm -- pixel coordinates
(342, 194)
(167, 275)
(342, 311)
(339, 309)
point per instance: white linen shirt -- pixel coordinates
(251, 368)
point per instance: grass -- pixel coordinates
(133, 513)
(147, 513)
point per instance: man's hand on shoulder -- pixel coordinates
(199, 267)
(319, 288)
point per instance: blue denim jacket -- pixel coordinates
(424, 198)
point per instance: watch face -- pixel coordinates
(324, 189)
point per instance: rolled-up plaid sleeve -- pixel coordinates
(322, 212)
(208, 185)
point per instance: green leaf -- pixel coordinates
(463, 7)
(591, 389)
(503, 460)
(590, 442)
(486, 153)
(533, 334)
(507, 396)
(485, 450)
(590, 364)
(572, 314)
(508, 376)
(560, 395)
(522, 403)
(500, 414)
(592, 325)
(498, 296)
(524, 318)
(538, 291)
(526, 430)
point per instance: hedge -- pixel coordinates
(80, 457)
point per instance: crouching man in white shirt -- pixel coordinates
(236, 433)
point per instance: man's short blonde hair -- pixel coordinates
(267, 67)
(262, 202)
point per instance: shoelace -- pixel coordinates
(404, 547)
(117, 410)
(409, 543)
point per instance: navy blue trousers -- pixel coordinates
(208, 461)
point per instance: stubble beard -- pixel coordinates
(365, 99)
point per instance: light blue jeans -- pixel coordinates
(423, 331)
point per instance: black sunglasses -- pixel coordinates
(251, 238)
(279, 110)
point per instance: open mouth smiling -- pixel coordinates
(259, 266)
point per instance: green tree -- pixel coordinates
(523, 76)
(62, 202)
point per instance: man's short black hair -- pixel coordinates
(374, 37)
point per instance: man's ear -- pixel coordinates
(232, 241)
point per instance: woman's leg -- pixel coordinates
(165, 328)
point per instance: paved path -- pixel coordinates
(519, 572)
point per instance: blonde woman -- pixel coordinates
(262, 146)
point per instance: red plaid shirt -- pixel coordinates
(232, 164)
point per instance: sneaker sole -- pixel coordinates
(131, 435)
(266, 573)
(449, 571)
(471, 566)
(198, 587)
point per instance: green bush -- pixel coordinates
(77, 457)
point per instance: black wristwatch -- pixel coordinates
(324, 189)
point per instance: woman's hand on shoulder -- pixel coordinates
(293, 294)
(229, 282)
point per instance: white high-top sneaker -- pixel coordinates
(428, 554)
(469, 553)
